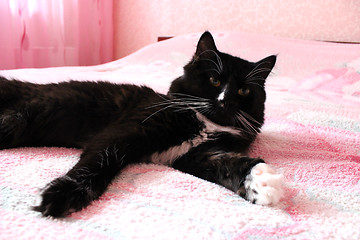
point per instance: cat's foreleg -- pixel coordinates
(84, 183)
(263, 185)
(250, 178)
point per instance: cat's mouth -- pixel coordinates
(222, 114)
(225, 113)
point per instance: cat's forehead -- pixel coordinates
(236, 67)
(234, 59)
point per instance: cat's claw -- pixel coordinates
(63, 196)
(263, 185)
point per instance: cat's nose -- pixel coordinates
(221, 104)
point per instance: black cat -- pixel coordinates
(204, 126)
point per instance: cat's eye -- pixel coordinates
(244, 92)
(215, 82)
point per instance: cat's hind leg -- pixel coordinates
(14, 98)
(103, 158)
(85, 182)
(12, 125)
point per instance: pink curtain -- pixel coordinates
(49, 33)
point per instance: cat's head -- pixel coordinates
(227, 90)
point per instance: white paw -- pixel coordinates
(263, 185)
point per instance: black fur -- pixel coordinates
(116, 125)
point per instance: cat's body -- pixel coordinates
(204, 127)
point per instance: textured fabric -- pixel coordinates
(311, 135)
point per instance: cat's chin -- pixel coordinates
(222, 119)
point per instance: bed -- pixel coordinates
(311, 135)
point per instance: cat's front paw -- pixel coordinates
(64, 196)
(263, 185)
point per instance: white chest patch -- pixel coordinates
(168, 156)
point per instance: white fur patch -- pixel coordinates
(212, 127)
(170, 155)
(263, 185)
(222, 94)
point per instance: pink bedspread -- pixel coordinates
(311, 134)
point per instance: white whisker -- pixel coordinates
(213, 69)
(256, 84)
(248, 116)
(162, 109)
(241, 118)
(189, 96)
(183, 103)
(260, 70)
(252, 79)
(219, 64)
(251, 73)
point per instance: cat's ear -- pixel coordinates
(264, 67)
(205, 45)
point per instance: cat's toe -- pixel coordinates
(263, 185)
(64, 196)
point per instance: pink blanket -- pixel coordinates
(311, 134)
